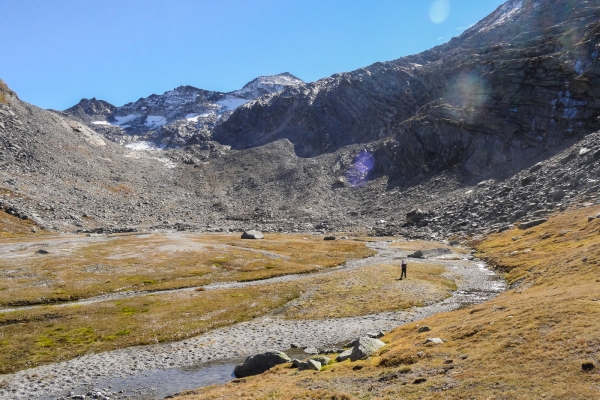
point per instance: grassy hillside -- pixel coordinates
(11, 226)
(529, 343)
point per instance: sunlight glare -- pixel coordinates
(439, 11)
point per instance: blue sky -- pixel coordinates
(56, 52)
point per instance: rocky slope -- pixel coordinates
(524, 78)
(496, 126)
(170, 119)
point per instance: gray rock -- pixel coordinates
(259, 363)
(528, 180)
(532, 223)
(345, 355)
(414, 216)
(365, 347)
(314, 365)
(430, 253)
(309, 364)
(322, 359)
(252, 234)
(376, 335)
(424, 329)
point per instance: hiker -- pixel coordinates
(403, 274)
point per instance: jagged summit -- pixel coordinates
(267, 85)
(91, 109)
(171, 119)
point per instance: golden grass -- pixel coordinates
(528, 343)
(3, 89)
(13, 227)
(57, 333)
(369, 290)
(86, 267)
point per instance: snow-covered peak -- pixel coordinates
(171, 118)
(267, 85)
(503, 14)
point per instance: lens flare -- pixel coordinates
(357, 174)
(439, 11)
(469, 90)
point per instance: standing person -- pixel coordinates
(404, 265)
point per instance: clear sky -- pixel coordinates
(56, 52)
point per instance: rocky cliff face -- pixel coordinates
(171, 119)
(524, 78)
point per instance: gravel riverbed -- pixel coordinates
(86, 374)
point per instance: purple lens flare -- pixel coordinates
(357, 174)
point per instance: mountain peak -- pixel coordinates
(268, 84)
(91, 108)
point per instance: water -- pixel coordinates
(159, 383)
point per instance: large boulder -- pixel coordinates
(309, 364)
(430, 253)
(322, 359)
(531, 224)
(414, 216)
(344, 355)
(259, 363)
(252, 234)
(365, 347)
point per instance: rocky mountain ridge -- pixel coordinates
(496, 127)
(170, 119)
(522, 78)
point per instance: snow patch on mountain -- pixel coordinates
(171, 119)
(143, 145)
(503, 14)
(231, 103)
(121, 120)
(267, 85)
(155, 121)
